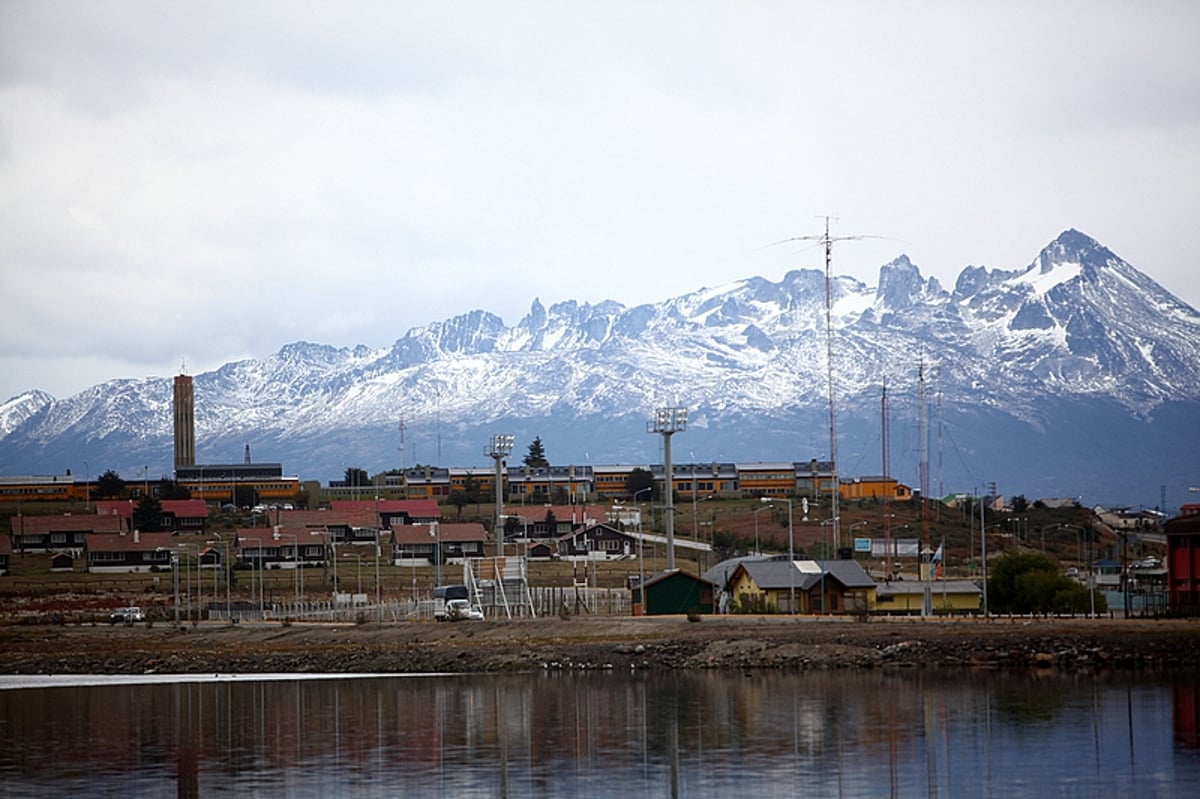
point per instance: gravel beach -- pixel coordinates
(715, 642)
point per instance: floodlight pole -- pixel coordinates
(499, 448)
(666, 422)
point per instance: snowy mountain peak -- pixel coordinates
(15, 411)
(1073, 247)
(901, 285)
(1078, 331)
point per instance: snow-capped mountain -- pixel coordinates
(15, 411)
(1058, 379)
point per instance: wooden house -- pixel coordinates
(597, 542)
(358, 526)
(432, 543)
(131, 552)
(282, 547)
(675, 592)
(62, 533)
(832, 586)
(528, 522)
(907, 597)
(178, 515)
(392, 512)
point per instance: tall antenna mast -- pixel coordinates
(923, 445)
(835, 490)
(886, 460)
(401, 447)
(941, 484)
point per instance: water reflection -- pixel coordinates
(601, 734)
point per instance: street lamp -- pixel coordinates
(333, 547)
(832, 524)
(667, 422)
(357, 557)
(225, 568)
(757, 548)
(1079, 531)
(175, 584)
(176, 555)
(792, 558)
(295, 563)
(378, 594)
(261, 577)
(641, 547)
(436, 532)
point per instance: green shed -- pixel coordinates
(677, 592)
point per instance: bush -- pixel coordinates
(1028, 582)
(754, 605)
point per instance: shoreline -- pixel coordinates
(582, 643)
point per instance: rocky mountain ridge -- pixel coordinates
(1010, 358)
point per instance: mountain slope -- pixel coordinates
(1078, 332)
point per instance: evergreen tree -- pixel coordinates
(459, 500)
(537, 454)
(110, 485)
(639, 480)
(147, 515)
(171, 489)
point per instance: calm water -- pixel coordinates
(602, 734)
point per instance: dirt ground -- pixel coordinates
(725, 642)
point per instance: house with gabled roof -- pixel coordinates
(130, 552)
(597, 542)
(392, 512)
(178, 515)
(907, 597)
(533, 521)
(675, 592)
(281, 547)
(357, 526)
(421, 543)
(831, 586)
(60, 533)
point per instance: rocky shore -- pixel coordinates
(727, 642)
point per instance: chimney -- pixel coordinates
(137, 536)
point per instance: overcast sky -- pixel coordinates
(206, 182)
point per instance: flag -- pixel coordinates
(937, 556)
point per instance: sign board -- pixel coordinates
(862, 545)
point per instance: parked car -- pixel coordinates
(127, 615)
(461, 610)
